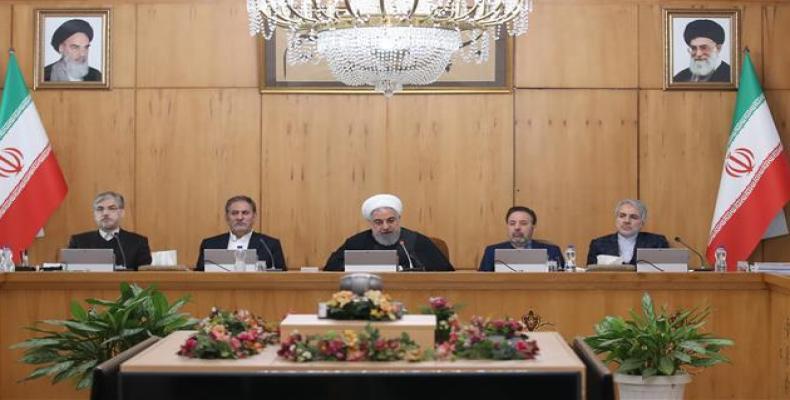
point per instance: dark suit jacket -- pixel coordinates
(256, 242)
(721, 74)
(135, 247)
(423, 254)
(487, 262)
(608, 245)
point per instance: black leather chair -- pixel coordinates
(105, 375)
(599, 384)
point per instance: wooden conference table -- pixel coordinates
(751, 308)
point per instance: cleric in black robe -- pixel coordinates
(704, 38)
(630, 216)
(108, 211)
(240, 214)
(72, 40)
(415, 250)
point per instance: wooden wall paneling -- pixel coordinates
(123, 37)
(322, 156)
(23, 38)
(451, 161)
(576, 152)
(651, 37)
(779, 367)
(92, 135)
(777, 53)
(195, 148)
(578, 46)
(778, 249)
(5, 38)
(205, 44)
(680, 159)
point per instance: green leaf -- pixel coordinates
(77, 312)
(666, 366)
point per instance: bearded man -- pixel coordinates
(521, 222)
(704, 39)
(383, 212)
(72, 41)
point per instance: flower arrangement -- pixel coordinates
(446, 317)
(502, 339)
(373, 305)
(226, 335)
(348, 345)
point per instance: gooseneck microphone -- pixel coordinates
(703, 264)
(212, 262)
(268, 250)
(408, 257)
(505, 264)
(117, 237)
(650, 264)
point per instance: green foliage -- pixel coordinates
(658, 343)
(73, 347)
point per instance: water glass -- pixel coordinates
(552, 265)
(743, 266)
(260, 266)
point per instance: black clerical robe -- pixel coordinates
(425, 256)
(135, 247)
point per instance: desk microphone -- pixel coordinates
(268, 250)
(117, 237)
(650, 264)
(505, 264)
(408, 257)
(702, 265)
(212, 262)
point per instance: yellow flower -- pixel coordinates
(375, 296)
(341, 298)
(350, 338)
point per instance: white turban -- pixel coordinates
(381, 200)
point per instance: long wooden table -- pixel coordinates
(751, 308)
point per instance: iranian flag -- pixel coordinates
(755, 178)
(31, 183)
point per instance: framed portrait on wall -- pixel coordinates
(701, 48)
(277, 75)
(72, 49)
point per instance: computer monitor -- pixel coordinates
(93, 260)
(371, 260)
(662, 260)
(521, 260)
(224, 260)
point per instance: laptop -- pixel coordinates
(93, 260)
(371, 260)
(224, 260)
(521, 260)
(663, 260)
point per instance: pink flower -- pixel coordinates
(438, 303)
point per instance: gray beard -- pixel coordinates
(705, 67)
(66, 70)
(387, 239)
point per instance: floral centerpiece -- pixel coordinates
(348, 345)
(500, 339)
(446, 317)
(373, 305)
(229, 335)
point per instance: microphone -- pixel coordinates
(703, 265)
(212, 262)
(117, 237)
(268, 250)
(649, 263)
(505, 264)
(408, 257)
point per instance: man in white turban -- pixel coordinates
(415, 250)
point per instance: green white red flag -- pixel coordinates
(31, 182)
(755, 178)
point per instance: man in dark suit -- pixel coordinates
(521, 223)
(704, 38)
(131, 249)
(240, 213)
(630, 216)
(415, 250)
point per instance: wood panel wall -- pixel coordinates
(184, 127)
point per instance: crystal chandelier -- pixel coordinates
(388, 43)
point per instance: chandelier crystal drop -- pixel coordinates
(388, 43)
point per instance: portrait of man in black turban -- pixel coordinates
(704, 38)
(72, 41)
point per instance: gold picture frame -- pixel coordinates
(276, 76)
(81, 59)
(692, 37)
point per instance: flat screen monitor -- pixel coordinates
(93, 260)
(371, 260)
(521, 260)
(662, 260)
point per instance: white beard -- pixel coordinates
(387, 239)
(76, 70)
(705, 67)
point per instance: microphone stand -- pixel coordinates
(505, 264)
(268, 250)
(650, 264)
(117, 237)
(703, 266)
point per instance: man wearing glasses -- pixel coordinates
(108, 211)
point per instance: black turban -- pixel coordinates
(704, 28)
(69, 28)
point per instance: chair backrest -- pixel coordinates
(599, 383)
(442, 246)
(105, 375)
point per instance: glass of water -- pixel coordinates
(552, 265)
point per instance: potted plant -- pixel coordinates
(657, 352)
(95, 335)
